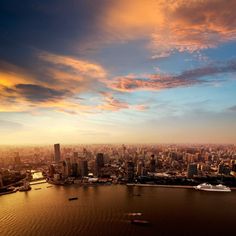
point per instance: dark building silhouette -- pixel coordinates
(83, 168)
(99, 163)
(152, 164)
(74, 169)
(192, 170)
(130, 171)
(57, 152)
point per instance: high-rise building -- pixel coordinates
(83, 167)
(68, 168)
(192, 170)
(152, 164)
(74, 169)
(140, 168)
(57, 152)
(130, 171)
(99, 163)
(1, 181)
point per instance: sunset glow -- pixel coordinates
(127, 71)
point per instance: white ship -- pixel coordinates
(212, 188)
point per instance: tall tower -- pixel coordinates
(99, 163)
(130, 171)
(152, 164)
(57, 152)
(83, 166)
(140, 168)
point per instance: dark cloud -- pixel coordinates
(37, 93)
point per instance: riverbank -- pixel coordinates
(167, 186)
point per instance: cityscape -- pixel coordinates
(117, 117)
(173, 165)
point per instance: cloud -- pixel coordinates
(64, 78)
(11, 74)
(161, 55)
(84, 67)
(111, 104)
(141, 107)
(171, 25)
(36, 93)
(187, 78)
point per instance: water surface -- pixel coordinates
(102, 210)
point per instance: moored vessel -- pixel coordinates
(212, 188)
(140, 222)
(73, 198)
(25, 187)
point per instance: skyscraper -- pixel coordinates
(74, 169)
(191, 170)
(68, 167)
(140, 168)
(152, 164)
(83, 167)
(99, 163)
(57, 152)
(130, 171)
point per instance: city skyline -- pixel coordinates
(117, 72)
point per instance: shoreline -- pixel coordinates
(166, 186)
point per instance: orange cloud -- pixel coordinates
(112, 104)
(11, 75)
(59, 89)
(84, 67)
(21, 92)
(181, 25)
(141, 107)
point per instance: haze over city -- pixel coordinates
(117, 71)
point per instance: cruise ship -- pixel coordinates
(212, 188)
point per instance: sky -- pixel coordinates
(108, 71)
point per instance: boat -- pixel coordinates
(140, 222)
(134, 214)
(49, 186)
(37, 188)
(25, 187)
(73, 198)
(212, 188)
